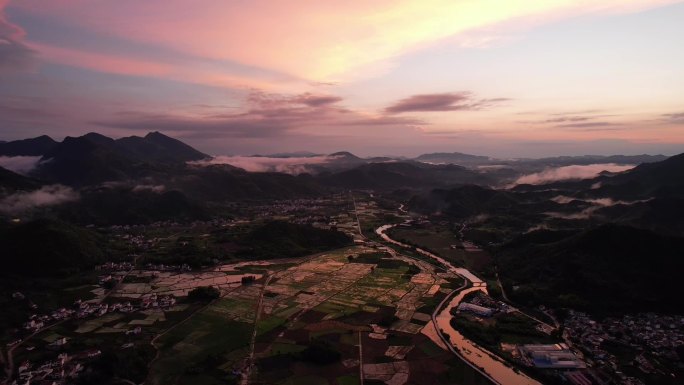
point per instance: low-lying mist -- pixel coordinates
(574, 172)
(19, 164)
(596, 204)
(45, 196)
(291, 165)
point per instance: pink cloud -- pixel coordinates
(271, 115)
(14, 54)
(318, 41)
(102, 62)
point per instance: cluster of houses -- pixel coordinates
(166, 225)
(127, 266)
(163, 267)
(116, 266)
(61, 370)
(37, 322)
(83, 309)
(292, 206)
(67, 367)
(159, 224)
(154, 301)
(302, 211)
(651, 334)
(139, 241)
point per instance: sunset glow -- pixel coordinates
(523, 78)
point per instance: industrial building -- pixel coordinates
(556, 356)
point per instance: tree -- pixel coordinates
(320, 352)
(247, 279)
(204, 294)
(110, 284)
(387, 320)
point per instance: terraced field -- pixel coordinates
(360, 294)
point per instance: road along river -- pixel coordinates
(485, 362)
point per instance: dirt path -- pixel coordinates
(498, 281)
(360, 359)
(250, 359)
(158, 336)
(356, 214)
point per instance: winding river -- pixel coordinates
(487, 363)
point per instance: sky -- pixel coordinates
(509, 78)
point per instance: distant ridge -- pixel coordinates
(295, 154)
(593, 159)
(94, 158)
(156, 146)
(37, 146)
(345, 155)
(453, 158)
(664, 178)
(470, 160)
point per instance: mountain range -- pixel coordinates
(93, 159)
(136, 171)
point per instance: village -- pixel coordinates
(644, 342)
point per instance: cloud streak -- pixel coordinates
(14, 53)
(574, 172)
(588, 125)
(596, 204)
(674, 118)
(266, 116)
(455, 101)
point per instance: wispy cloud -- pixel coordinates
(291, 165)
(319, 42)
(24, 112)
(567, 119)
(45, 196)
(14, 53)
(588, 212)
(589, 120)
(674, 118)
(563, 199)
(455, 101)
(266, 115)
(591, 125)
(312, 100)
(180, 68)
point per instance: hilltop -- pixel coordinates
(609, 268)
